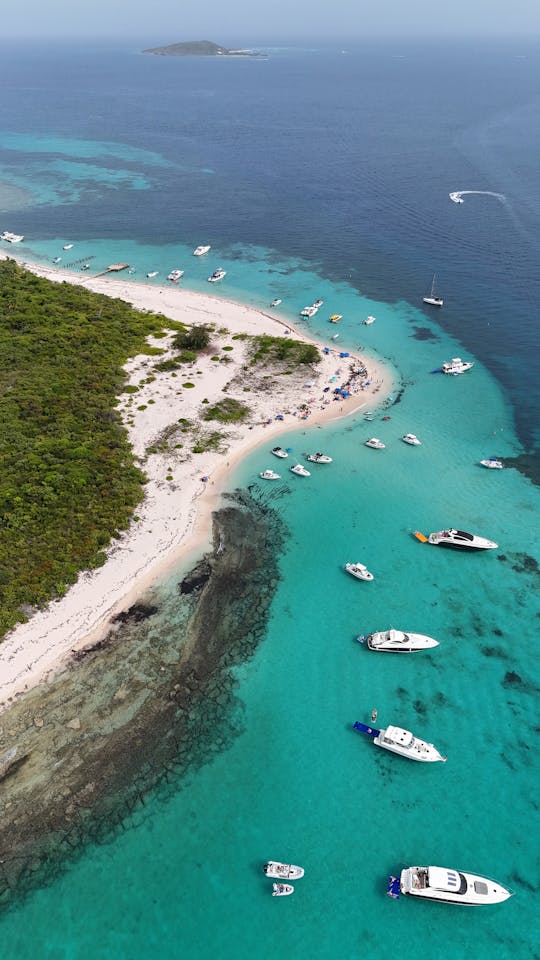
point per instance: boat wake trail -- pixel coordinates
(457, 195)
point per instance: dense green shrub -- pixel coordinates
(226, 411)
(196, 338)
(267, 349)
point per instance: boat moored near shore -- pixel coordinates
(199, 251)
(457, 365)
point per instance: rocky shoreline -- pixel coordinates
(139, 708)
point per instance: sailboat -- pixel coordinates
(433, 300)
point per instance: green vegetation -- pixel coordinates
(227, 411)
(196, 338)
(198, 48)
(208, 441)
(68, 481)
(267, 350)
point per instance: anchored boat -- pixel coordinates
(283, 871)
(457, 540)
(449, 886)
(403, 742)
(397, 641)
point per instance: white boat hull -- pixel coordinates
(398, 641)
(283, 871)
(451, 886)
(415, 750)
(359, 571)
(460, 540)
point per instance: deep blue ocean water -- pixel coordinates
(326, 172)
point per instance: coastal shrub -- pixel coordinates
(188, 385)
(207, 442)
(215, 358)
(196, 338)
(240, 336)
(266, 349)
(130, 388)
(227, 348)
(143, 406)
(227, 411)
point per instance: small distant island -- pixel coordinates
(199, 48)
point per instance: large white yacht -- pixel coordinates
(398, 740)
(451, 886)
(459, 540)
(359, 571)
(397, 641)
(11, 237)
(198, 251)
(457, 365)
(283, 871)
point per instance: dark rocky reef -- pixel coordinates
(138, 709)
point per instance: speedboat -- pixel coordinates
(375, 444)
(457, 365)
(269, 475)
(336, 317)
(359, 571)
(403, 742)
(300, 471)
(456, 197)
(282, 889)
(451, 886)
(492, 463)
(217, 275)
(57, 259)
(276, 302)
(198, 252)
(153, 273)
(318, 303)
(318, 458)
(459, 540)
(283, 871)
(85, 266)
(369, 320)
(11, 237)
(431, 298)
(397, 641)
(412, 440)
(68, 246)
(279, 452)
(175, 275)
(309, 311)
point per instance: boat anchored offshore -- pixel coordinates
(282, 889)
(276, 302)
(57, 260)
(457, 365)
(11, 237)
(318, 458)
(175, 275)
(279, 452)
(153, 273)
(269, 475)
(309, 311)
(300, 471)
(336, 317)
(398, 740)
(283, 871)
(458, 540)
(397, 641)
(368, 321)
(375, 444)
(451, 886)
(359, 571)
(217, 275)
(198, 251)
(68, 246)
(492, 463)
(431, 298)
(411, 440)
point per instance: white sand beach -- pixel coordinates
(174, 519)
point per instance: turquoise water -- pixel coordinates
(298, 783)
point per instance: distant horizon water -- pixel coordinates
(328, 177)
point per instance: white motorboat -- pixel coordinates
(375, 444)
(336, 336)
(456, 197)
(11, 237)
(175, 275)
(198, 252)
(279, 452)
(269, 475)
(460, 540)
(282, 889)
(412, 440)
(276, 302)
(68, 246)
(85, 266)
(318, 303)
(282, 871)
(451, 886)
(57, 260)
(492, 463)
(336, 317)
(153, 273)
(432, 298)
(300, 471)
(368, 321)
(403, 742)
(217, 275)
(457, 365)
(397, 641)
(309, 311)
(318, 458)
(359, 571)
